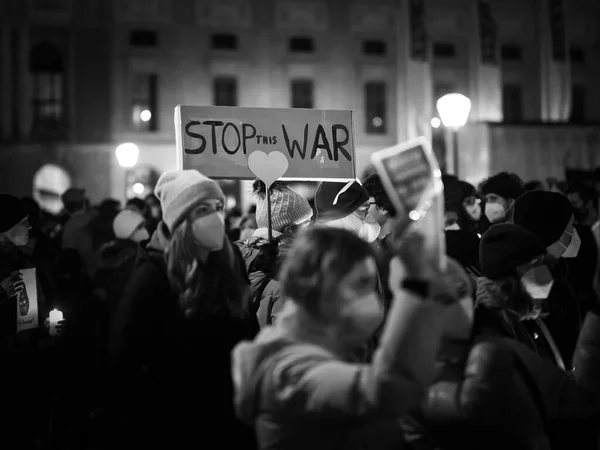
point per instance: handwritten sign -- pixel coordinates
(217, 141)
(412, 179)
(27, 308)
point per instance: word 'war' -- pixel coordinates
(232, 138)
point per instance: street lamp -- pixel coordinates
(454, 111)
(127, 156)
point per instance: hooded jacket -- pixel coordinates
(297, 388)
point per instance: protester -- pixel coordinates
(296, 383)
(501, 192)
(77, 231)
(22, 352)
(549, 216)
(290, 213)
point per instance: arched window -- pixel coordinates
(47, 72)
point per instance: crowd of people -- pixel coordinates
(185, 324)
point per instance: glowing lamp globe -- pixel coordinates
(454, 110)
(127, 154)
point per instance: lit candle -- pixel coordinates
(55, 317)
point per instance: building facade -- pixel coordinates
(79, 77)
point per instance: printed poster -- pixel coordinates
(412, 179)
(27, 308)
(217, 141)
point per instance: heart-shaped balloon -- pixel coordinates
(268, 168)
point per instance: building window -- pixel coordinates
(374, 48)
(375, 107)
(144, 102)
(511, 53)
(302, 45)
(224, 42)
(577, 55)
(143, 38)
(578, 94)
(47, 72)
(444, 50)
(225, 91)
(512, 103)
(302, 94)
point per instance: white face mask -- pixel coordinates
(209, 231)
(139, 235)
(495, 212)
(367, 229)
(538, 282)
(573, 249)
(363, 316)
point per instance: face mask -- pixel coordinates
(367, 230)
(209, 231)
(139, 235)
(538, 282)
(495, 212)
(362, 316)
(573, 249)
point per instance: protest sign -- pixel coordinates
(27, 308)
(217, 141)
(412, 179)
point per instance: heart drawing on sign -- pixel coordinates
(268, 168)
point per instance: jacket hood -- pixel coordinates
(249, 365)
(116, 253)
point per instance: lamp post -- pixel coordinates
(127, 156)
(454, 111)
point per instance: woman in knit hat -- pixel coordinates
(510, 300)
(290, 214)
(207, 273)
(514, 285)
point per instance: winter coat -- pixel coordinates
(299, 391)
(261, 260)
(506, 396)
(171, 374)
(493, 319)
(141, 339)
(77, 234)
(117, 264)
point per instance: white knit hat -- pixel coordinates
(126, 222)
(288, 208)
(179, 191)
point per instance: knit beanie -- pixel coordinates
(336, 200)
(13, 211)
(545, 214)
(126, 222)
(288, 208)
(506, 246)
(452, 193)
(179, 191)
(504, 184)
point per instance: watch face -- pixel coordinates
(23, 303)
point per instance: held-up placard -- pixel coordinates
(412, 179)
(27, 307)
(217, 141)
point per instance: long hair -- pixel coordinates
(219, 286)
(318, 260)
(507, 294)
